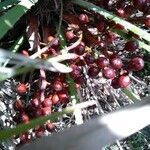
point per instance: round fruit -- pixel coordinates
(139, 4)
(18, 105)
(50, 127)
(35, 103)
(80, 49)
(89, 59)
(47, 103)
(114, 83)
(121, 13)
(39, 131)
(101, 26)
(46, 111)
(83, 18)
(69, 35)
(93, 71)
(109, 73)
(80, 80)
(116, 63)
(63, 96)
(76, 72)
(123, 81)
(136, 64)
(24, 118)
(102, 62)
(21, 88)
(24, 138)
(147, 21)
(131, 46)
(58, 86)
(55, 99)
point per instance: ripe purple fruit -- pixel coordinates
(80, 49)
(109, 73)
(136, 64)
(83, 18)
(116, 63)
(147, 21)
(69, 35)
(89, 59)
(131, 46)
(114, 83)
(35, 103)
(47, 103)
(93, 71)
(21, 89)
(18, 105)
(102, 62)
(58, 86)
(123, 81)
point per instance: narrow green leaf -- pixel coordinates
(130, 94)
(15, 47)
(126, 36)
(142, 33)
(13, 15)
(6, 3)
(9, 133)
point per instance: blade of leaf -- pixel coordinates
(130, 94)
(15, 47)
(126, 36)
(6, 3)
(9, 133)
(13, 15)
(142, 33)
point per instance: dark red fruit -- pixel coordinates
(21, 88)
(121, 13)
(129, 10)
(35, 103)
(16, 118)
(39, 131)
(83, 18)
(93, 71)
(116, 63)
(69, 35)
(46, 111)
(24, 138)
(47, 103)
(55, 41)
(55, 99)
(147, 21)
(102, 62)
(80, 80)
(109, 73)
(124, 81)
(110, 37)
(50, 127)
(18, 105)
(101, 26)
(58, 86)
(25, 53)
(131, 46)
(136, 64)
(80, 49)
(114, 83)
(63, 96)
(76, 72)
(119, 26)
(37, 113)
(139, 4)
(89, 59)
(24, 118)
